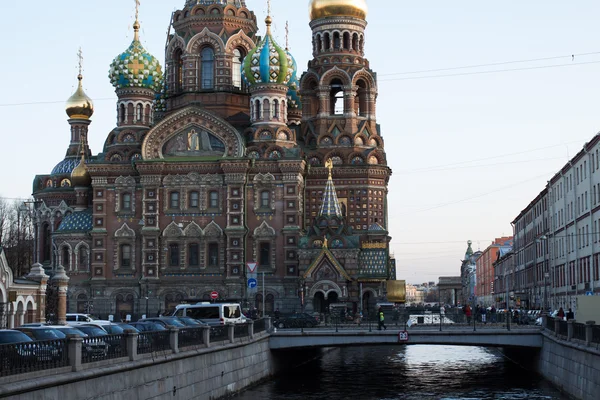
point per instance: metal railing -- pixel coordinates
(563, 328)
(579, 331)
(150, 342)
(93, 349)
(550, 323)
(190, 336)
(596, 334)
(218, 333)
(241, 330)
(17, 358)
(260, 325)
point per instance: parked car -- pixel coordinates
(210, 313)
(127, 326)
(165, 321)
(187, 321)
(46, 351)
(79, 319)
(15, 355)
(298, 320)
(68, 330)
(148, 326)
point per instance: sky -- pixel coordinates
(469, 147)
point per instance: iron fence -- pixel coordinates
(596, 334)
(550, 323)
(563, 328)
(218, 333)
(3, 316)
(17, 358)
(241, 330)
(260, 325)
(93, 349)
(579, 331)
(150, 342)
(191, 336)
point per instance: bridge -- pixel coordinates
(290, 339)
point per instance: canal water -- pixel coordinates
(407, 372)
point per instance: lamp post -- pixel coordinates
(546, 276)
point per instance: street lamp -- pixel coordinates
(546, 276)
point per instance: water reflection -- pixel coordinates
(407, 373)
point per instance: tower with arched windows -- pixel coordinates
(226, 158)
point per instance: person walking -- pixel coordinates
(493, 315)
(381, 319)
(570, 315)
(468, 313)
(561, 313)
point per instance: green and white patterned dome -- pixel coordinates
(136, 67)
(268, 62)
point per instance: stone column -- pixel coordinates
(174, 339)
(589, 332)
(231, 332)
(251, 329)
(62, 281)
(37, 274)
(206, 335)
(74, 344)
(570, 329)
(556, 326)
(132, 338)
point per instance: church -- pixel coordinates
(225, 160)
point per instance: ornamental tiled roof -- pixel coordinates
(76, 222)
(376, 227)
(65, 167)
(373, 263)
(331, 204)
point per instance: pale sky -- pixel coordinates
(468, 152)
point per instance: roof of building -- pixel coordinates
(80, 221)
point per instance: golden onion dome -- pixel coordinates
(79, 106)
(80, 177)
(338, 8)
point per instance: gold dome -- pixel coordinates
(80, 106)
(338, 8)
(80, 177)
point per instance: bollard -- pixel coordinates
(206, 335)
(544, 321)
(570, 329)
(74, 344)
(556, 326)
(268, 326)
(231, 332)
(589, 326)
(250, 329)
(174, 339)
(131, 338)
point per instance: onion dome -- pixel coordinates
(136, 68)
(80, 177)
(268, 62)
(338, 8)
(79, 105)
(293, 97)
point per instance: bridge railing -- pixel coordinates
(588, 333)
(78, 353)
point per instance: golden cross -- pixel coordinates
(136, 66)
(268, 7)
(137, 9)
(287, 35)
(80, 56)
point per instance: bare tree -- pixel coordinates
(16, 236)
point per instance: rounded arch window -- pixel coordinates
(337, 160)
(336, 97)
(207, 56)
(238, 57)
(357, 160)
(373, 160)
(254, 154)
(345, 141)
(275, 154)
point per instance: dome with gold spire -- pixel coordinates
(338, 8)
(80, 176)
(79, 105)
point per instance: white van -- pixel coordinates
(211, 314)
(80, 319)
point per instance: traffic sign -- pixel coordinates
(251, 266)
(403, 336)
(589, 293)
(214, 295)
(252, 283)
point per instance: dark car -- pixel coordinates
(20, 351)
(51, 349)
(148, 326)
(298, 320)
(127, 326)
(165, 321)
(187, 321)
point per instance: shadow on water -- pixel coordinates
(406, 372)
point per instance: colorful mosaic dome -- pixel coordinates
(136, 67)
(76, 222)
(294, 85)
(268, 62)
(65, 167)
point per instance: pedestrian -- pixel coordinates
(493, 312)
(277, 314)
(381, 319)
(561, 313)
(484, 315)
(468, 313)
(570, 315)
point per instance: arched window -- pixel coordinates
(213, 199)
(83, 259)
(264, 254)
(213, 254)
(208, 68)
(355, 42)
(194, 199)
(124, 306)
(265, 199)
(178, 73)
(346, 41)
(319, 44)
(336, 97)
(361, 99)
(336, 41)
(174, 255)
(257, 113)
(125, 255)
(193, 255)
(126, 202)
(174, 200)
(269, 304)
(275, 111)
(139, 112)
(236, 73)
(66, 259)
(266, 110)
(130, 112)
(122, 113)
(83, 306)
(327, 41)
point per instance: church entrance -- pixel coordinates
(319, 304)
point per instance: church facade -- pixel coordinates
(226, 156)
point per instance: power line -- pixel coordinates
(572, 56)
(48, 102)
(490, 72)
(484, 165)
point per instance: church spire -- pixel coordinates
(331, 204)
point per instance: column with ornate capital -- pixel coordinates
(61, 280)
(37, 274)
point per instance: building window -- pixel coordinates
(174, 200)
(208, 68)
(265, 254)
(193, 255)
(213, 255)
(237, 69)
(125, 255)
(213, 199)
(265, 199)
(126, 202)
(173, 255)
(194, 200)
(66, 262)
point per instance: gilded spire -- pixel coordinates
(331, 204)
(268, 20)
(80, 177)
(287, 36)
(136, 24)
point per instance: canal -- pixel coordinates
(406, 372)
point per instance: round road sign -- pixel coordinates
(214, 295)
